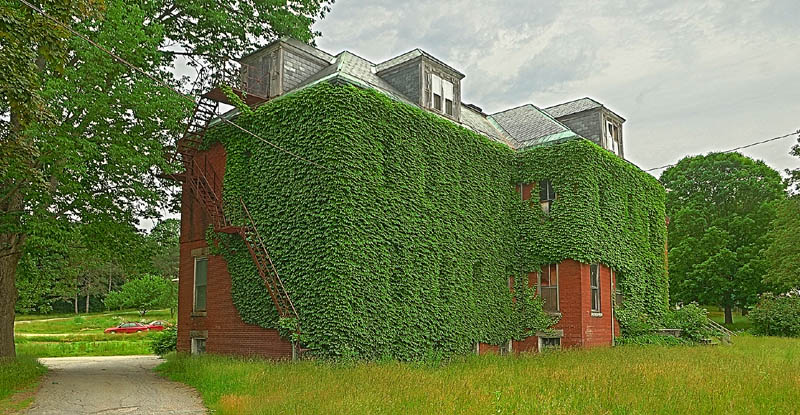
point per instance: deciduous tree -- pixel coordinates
(82, 136)
(720, 207)
(783, 254)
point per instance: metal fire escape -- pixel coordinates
(204, 182)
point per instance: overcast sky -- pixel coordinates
(689, 76)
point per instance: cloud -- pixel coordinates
(689, 76)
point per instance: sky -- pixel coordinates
(689, 77)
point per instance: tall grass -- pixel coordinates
(754, 375)
(84, 348)
(18, 375)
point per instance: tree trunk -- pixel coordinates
(88, 285)
(76, 302)
(728, 314)
(8, 297)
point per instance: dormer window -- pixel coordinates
(612, 137)
(442, 94)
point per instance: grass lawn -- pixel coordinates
(754, 375)
(740, 323)
(82, 335)
(18, 380)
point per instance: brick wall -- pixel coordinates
(225, 331)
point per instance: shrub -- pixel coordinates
(635, 324)
(691, 319)
(777, 316)
(165, 341)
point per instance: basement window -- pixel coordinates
(198, 345)
(200, 283)
(547, 288)
(549, 343)
(594, 281)
(546, 195)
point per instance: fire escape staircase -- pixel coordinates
(204, 182)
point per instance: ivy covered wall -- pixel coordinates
(400, 243)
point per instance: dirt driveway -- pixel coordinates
(111, 385)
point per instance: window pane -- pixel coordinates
(447, 90)
(448, 106)
(436, 84)
(437, 102)
(200, 298)
(200, 271)
(593, 279)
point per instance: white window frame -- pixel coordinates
(445, 90)
(612, 137)
(194, 284)
(595, 286)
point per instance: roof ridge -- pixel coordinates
(512, 108)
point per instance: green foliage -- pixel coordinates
(720, 207)
(783, 253)
(17, 375)
(165, 341)
(691, 319)
(777, 316)
(145, 293)
(62, 160)
(403, 242)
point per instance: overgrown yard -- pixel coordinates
(18, 380)
(754, 375)
(65, 336)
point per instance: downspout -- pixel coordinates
(611, 297)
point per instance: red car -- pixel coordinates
(127, 328)
(158, 325)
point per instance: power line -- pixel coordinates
(162, 83)
(738, 148)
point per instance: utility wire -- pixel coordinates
(276, 146)
(163, 84)
(737, 148)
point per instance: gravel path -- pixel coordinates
(111, 385)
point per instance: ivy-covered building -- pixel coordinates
(404, 222)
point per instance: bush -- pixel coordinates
(691, 319)
(777, 316)
(164, 342)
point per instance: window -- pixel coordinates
(436, 91)
(200, 282)
(612, 137)
(546, 195)
(442, 94)
(198, 345)
(549, 343)
(594, 281)
(548, 288)
(447, 92)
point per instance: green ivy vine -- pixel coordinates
(400, 238)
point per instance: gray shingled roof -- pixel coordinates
(410, 55)
(529, 126)
(350, 67)
(572, 107)
(479, 123)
